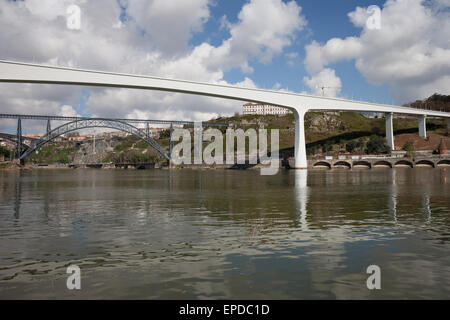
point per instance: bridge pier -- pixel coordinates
(300, 161)
(49, 126)
(390, 130)
(19, 138)
(170, 140)
(423, 126)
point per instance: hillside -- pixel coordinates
(438, 102)
(331, 132)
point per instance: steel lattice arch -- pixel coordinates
(94, 123)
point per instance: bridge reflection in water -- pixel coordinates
(226, 233)
(397, 179)
(301, 197)
(310, 197)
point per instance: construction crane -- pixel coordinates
(325, 87)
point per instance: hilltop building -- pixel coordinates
(263, 109)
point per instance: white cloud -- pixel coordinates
(325, 78)
(154, 16)
(410, 53)
(68, 111)
(317, 56)
(153, 40)
(264, 29)
(246, 83)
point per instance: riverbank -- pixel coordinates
(329, 162)
(129, 166)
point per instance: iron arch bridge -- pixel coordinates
(94, 123)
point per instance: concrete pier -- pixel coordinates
(390, 131)
(300, 140)
(423, 126)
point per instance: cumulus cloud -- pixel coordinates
(264, 29)
(68, 111)
(317, 56)
(326, 78)
(185, 17)
(410, 53)
(142, 37)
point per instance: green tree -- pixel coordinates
(327, 147)
(311, 150)
(410, 149)
(164, 134)
(351, 146)
(4, 151)
(360, 144)
(376, 145)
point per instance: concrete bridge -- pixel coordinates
(17, 72)
(378, 162)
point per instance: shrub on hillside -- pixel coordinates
(4, 151)
(311, 150)
(360, 144)
(327, 147)
(409, 148)
(376, 145)
(351, 146)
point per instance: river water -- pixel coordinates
(224, 234)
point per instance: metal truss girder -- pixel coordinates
(62, 118)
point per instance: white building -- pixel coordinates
(263, 109)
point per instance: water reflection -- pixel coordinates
(18, 194)
(224, 234)
(392, 203)
(426, 206)
(301, 197)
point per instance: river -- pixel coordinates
(225, 234)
